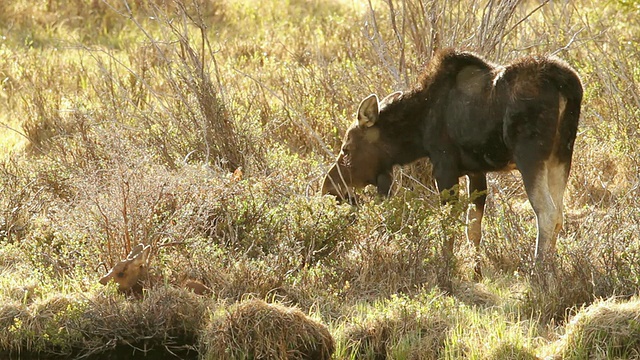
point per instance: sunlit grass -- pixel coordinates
(11, 139)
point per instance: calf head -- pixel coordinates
(128, 272)
(363, 159)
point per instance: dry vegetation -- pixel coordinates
(203, 128)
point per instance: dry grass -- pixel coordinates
(74, 325)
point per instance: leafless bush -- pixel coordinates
(414, 29)
(173, 88)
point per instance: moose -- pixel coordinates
(132, 274)
(469, 117)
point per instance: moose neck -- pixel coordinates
(402, 127)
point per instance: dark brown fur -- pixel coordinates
(471, 117)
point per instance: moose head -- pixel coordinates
(365, 155)
(129, 272)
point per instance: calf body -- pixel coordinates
(471, 117)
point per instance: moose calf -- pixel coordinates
(131, 273)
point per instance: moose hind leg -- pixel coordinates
(558, 173)
(536, 182)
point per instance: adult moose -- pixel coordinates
(471, 117)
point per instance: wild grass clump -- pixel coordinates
(10, 313)
(606, 329)
(18, 200)
(399, 328)
(512, 352)
(495, 331)
(254, 329)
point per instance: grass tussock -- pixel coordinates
(254, 329)
(605, 329)
(511, 352)
(74, 325)
(399, 328)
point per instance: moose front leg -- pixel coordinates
(477, 190)
(383, 183)
(446, 181)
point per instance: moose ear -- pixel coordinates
(390, 98)
(368, 111)
(145, 253)
(135, 252)
(140, 254)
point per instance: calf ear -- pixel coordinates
(368, 111)
(140, 254)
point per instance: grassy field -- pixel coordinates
(204, 128)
